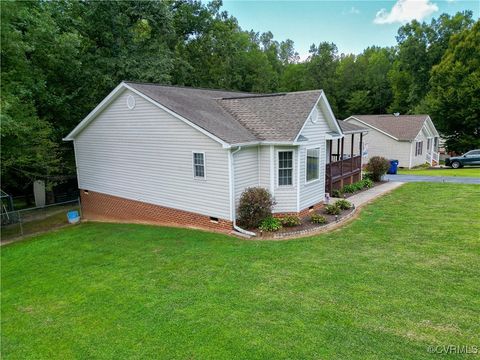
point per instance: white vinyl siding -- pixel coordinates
(246, 170)
(313, 192)
(264, 167)
(145, 154)
(419, 147)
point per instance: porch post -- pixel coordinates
(361, 148)
(338, 148)
(330, 150)
(341, 163)
(351, 154)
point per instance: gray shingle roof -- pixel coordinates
(278, 117)
(237, 117)
(348, 128)
(402, 127)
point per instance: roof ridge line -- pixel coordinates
(184, 87)
(252, 96)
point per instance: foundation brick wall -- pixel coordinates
(103, 207)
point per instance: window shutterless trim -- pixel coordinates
(195, 177)
(292, 168)
(317, 147)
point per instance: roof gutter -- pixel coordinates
(232, 193)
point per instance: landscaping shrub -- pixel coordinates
(255, 205)
(366, 176)
(350, 188)
(318, 219)
(270, 224)
(337, 193)
(377, 167)
(367, 183)
(290, 221)
(332, 209)
(343, 204)
(357, 186)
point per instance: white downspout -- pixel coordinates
(232, 194)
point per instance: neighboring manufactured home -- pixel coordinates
(183, 156)
(410, 139)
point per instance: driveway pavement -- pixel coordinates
(422, 178)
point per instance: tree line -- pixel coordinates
(59, 59)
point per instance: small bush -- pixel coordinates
(366, 176)
(332, 210)
(318, 219)
(290, 221)
(255, 205)
(378, 166)
(337, 193)
(367, 183)
(343, 204)
(350, 188)
(270, 224)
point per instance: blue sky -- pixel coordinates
(351, 25)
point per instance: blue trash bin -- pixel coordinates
(73, 216)
(393, 167)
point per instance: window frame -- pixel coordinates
(195, 177)
(418, 148)
(306, 164)
(292, 168)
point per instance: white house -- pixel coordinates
(410, 139)
(183, 156)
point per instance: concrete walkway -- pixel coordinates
(369, 195)
(437, 179)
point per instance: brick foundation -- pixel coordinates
(103, 207)
(303, 213)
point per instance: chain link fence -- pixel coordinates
(20, 223)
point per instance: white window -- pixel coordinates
(313, 164)
(418, 148)
(199, 165)
(285, 168)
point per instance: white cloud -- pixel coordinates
(406, 10)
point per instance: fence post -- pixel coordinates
(20, 222)
(80, 208)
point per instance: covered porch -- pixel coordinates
(344, 157)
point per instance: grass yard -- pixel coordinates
(403, 276)
(463, 172)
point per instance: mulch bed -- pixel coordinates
(306, 224)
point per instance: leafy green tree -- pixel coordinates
(453, 99)
(420, 47)
(321, 68)
(359, 103)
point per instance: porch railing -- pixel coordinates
(346, 167)
(433, 156)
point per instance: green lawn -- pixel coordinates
(463, 172)
(403, 276)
